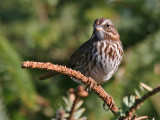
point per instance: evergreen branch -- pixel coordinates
(138, 102)
(142, 118)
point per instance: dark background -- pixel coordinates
(50, 30)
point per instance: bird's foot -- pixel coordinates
(88, 89)
(90, 84)
(111, 104)
(104, 107)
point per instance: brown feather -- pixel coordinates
(78, 54)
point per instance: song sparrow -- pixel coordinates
(100, 56)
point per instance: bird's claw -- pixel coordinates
(104, 107)
(90, 84)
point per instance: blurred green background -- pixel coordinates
(50, 30)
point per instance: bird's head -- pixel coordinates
(105, 29)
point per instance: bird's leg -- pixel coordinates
(90, 84)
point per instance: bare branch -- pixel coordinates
(72, 73)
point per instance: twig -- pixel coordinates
(80, 92)
(72, 73)
(139, 102)
(77, 98)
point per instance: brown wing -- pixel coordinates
(78, 54)
(73, 62)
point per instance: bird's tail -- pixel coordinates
(47, 75)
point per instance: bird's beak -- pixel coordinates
(98, 28)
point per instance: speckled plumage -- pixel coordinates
(100, 56)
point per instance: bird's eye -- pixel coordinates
(107, 25)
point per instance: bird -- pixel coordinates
(100, 56)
